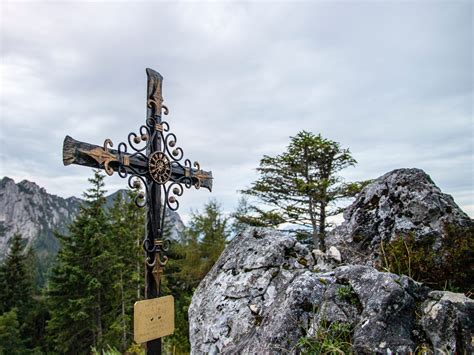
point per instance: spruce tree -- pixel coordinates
(17, 276)
(301, 185)
(16, 280)
(211, 229)
(11, 341)
(80, 283)
(127, 222)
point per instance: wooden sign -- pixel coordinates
(153, 319)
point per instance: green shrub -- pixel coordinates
(331, 338)
(109, 350)
(347, 293)
(451, 267)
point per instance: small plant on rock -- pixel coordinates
(347, 293)
(451, 267)
(330, 338)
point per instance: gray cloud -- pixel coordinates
(392, 81)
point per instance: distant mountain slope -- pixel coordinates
(28, 209)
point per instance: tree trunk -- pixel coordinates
(314, 233)
(314, 236)
(94, 340)
(124, 324)
(138, 274)
(99, 318)
(322, 226)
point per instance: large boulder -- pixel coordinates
(401, 202)
(267, 294)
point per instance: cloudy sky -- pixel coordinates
(392, 81)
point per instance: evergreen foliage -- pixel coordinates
(79, 296)
(242, 217)
(301, 185)
(16, 280)
(98, 276)
(11, 342)
(22, 310)
(127, 228)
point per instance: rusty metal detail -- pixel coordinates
(126, 160)
(200, 176)
(160, 167)
(103, 157)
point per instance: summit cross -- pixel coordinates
(155, 162)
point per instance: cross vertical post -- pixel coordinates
(151, 160)
(153, 214)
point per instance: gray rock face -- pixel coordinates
(28, 209)
(400, 202)
(448, 320)
(266, 292)
(244, 288)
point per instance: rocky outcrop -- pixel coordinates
(266, 293)
(401, 202)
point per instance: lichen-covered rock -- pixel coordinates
(386, 319)
(244, 288)
(401, 202)
(448, 321)
(266, 292)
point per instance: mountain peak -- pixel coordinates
(30, 187)
(6, 181)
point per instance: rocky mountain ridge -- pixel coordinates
(270, 294)
(30, 210)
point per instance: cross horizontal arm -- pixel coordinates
(80, 153)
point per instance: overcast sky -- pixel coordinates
(392, 81)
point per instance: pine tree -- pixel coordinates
(11, 341)
(16, 281)
(17, 299)
(210, 229)
(80, 283)
(301, 185)
(127, 232)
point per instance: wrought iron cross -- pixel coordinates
(154, 161)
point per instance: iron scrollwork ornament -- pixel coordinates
(155, 167)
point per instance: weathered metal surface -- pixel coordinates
(158, 166)
(153, 242)
(80, 153)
